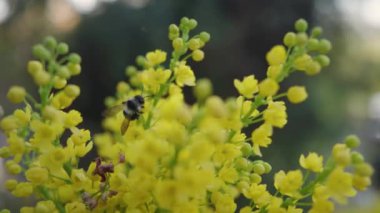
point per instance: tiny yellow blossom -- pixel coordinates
(23, 189)
(275, 114)
(340, 185)
(156, 57)
(361, 182)
(73, 118)
(258, 193)
(341, 154)
(37, 175)
(184, 75)
(248, 87)
(268, 87)
(289, 183)
(297, 94)
(16, 94)
(276, 55)
(274, 71)
(261, 137)
(322, 206)
(312, 162)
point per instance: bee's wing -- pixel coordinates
(124, 126)
(113, 110)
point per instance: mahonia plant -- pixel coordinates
(174, 157)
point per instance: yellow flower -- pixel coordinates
(322, 206)
(276, 55)
(258, 193)
(228, 174)
(223, 203)
(289, 183)
(37, 175)
(73, 118)
(45, 206)
(184, 75)
(248, 87)
(312, 162)
(361, 182)
(23, 189)
(76, 207)
(261, 137)
(341, 154)
(297, 94)
(156, 57)
(16, 94)
(275, 114)
(268, 87)
(274, 71)
(340, 185)
(153, 79)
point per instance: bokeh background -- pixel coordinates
(109, 34)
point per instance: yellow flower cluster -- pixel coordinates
(160, 154)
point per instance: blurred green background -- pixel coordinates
(109, 34)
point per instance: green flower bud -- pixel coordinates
(140, 60)
(313, 44)
(324, 46)
(198, 55)
(258, 168)
(50, 42)
(246, 149)
(192, 24)
(41, 52)
(290, 39)
(323, 60)
(241, 164)
(364, 169)
(194, 43)
(352, 141)
(204, 36)
(75, 58)
(109, 101)
(16, 94)
(316, 31)
(184, 22)
(313, 68)
(5, 152)
(268, 167)
(173, 31)
(63, 72)
(75, 69)
(178, 44)
(34, 66)
(10, 184)
(255, 178)
(62, 48)
(301, 38)
(357, 158)
(41, 78)
(130, 71)
(72, 90)
(202, 90)
(301, 25)
(59, 83)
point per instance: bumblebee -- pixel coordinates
(132, 109)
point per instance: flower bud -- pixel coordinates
(194, 43)
(75, 69)
(301, 25)
(16, 94)
(204, 36)
(313, 44)
(11, 184)
(301, 38)
(341, 154)
(202, 89)
(50, 42)
(268, 87)
(173, 29)
(246, 150)
(59, 83)
(313, 68)
(130, 71)
(198, 55)
(34, 67)
(63, 72)
(12, 167)
(72, 90)
(241, 164)
(255, 178)
(192, 24)
(357, 158)
(41, 78)
(364, 169)
(324, 46)
(268, 167)
(41, 52)
(361, 182)
(297, 94)
(258, 168)
(184, 22)
(177, 44)
(323, 60)
(62, 48)
(75, 58)
(352, 141)
(37, 175)
(5, 152)
(316, 31)
(23, 189)
(290, 39)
